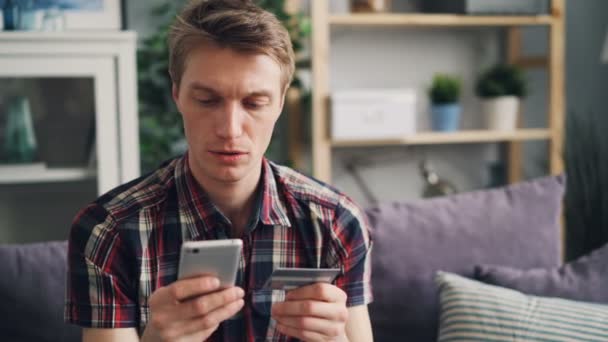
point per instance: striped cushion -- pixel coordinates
(473, 311)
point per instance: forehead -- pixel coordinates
(226, 68)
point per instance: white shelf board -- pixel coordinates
(436, 20)
(461, 137)
(91, 36)
(29, 174)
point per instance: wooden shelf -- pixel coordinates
(31, 174)
(462, 137)
(324, 21)
(440, 20)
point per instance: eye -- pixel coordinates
(208, 102)
(252, 105)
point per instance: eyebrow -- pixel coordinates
(202, 87)
(199, 86)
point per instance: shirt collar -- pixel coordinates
(273, 204)
(268, 206)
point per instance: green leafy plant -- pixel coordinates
(445, 89)
(161, 131)
(160, 122)
(502, 80)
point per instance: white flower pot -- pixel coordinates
(501, 113)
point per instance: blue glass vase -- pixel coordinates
(10, 13)
(20, 139)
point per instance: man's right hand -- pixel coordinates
(190, 309)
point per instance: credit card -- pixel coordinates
(292, 278)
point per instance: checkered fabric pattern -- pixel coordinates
(126, 245)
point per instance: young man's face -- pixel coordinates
(230, 102)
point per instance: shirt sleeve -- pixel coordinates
(100, 291)
(352, 232)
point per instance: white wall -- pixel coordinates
(138, 16)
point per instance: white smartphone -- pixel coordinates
(218, 258)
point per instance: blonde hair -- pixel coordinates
(236, 24)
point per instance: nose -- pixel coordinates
(230, 122)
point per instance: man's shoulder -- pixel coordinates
(139, 194)
(342, 220)
(309, 190)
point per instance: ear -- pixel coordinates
(175, 92)
(284, 95)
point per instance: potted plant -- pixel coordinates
(445, 108)
(362, 6)
(501, 89)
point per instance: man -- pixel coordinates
(231, 64)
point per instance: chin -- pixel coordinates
(228, 174)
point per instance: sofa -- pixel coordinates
(516, 226)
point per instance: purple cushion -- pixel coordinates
(584, 279)
(32, 293)
(517, 226)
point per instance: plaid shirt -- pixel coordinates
(126, 245)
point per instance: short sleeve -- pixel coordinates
(100, 290)
(352, 232)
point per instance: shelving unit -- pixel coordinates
(106, 58)
(323, 21)
(82, 91)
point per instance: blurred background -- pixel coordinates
(393, 100)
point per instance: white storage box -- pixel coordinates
(373, 114)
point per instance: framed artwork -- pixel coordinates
(87, 14)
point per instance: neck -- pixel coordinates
(233, 199)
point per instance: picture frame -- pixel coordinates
(88, 14)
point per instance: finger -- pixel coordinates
(191, 287)
(320, 292)
(324, 327)
(330, 311)
(304, 335)
(203, 305)
(213, 319)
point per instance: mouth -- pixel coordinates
(228, 153)
(231, 157)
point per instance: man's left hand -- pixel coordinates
(313, 313)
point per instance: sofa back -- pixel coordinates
(32, 293)
(517, 225)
